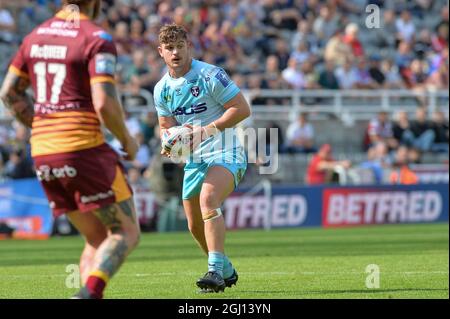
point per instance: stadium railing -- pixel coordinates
(346, 105)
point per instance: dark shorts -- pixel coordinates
(83, 180)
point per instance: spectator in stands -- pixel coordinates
(422, 45)
(272, 69)
(125, 13)
(414, 156)
(322, 166)
(337, 50)
(7, 24)
(135, 179)
(377, 160)
(293, 76)
(422, 130)
(132, 123)
(239, 80)
(351, 38)
(148, 124)
(440, 40)
(4, 147)
(404, 55)
(440, 37)
(2, 165)
(392, 74)
(143, 155)
(405, 27)
(282, 53)
(415, 75)
(300, 135)
(309, 75)
(347, 76)
(304, 34)
(326, 24)
(443, 19)
(280, 141)
(441, 131)
(272, 147)
(402, 129)
(363, 77)
(122, 37)
(385, 37)
(375, 72)
(327, 78)
(137, 30)
(439, 79)
(301, 53)
(139, 73)
(255, 83)
(18, 165)
(401, 173)
(113, 17)
(380, 130)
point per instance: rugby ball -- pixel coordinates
(176, 141)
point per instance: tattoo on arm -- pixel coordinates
(14, 96)
(110, 89)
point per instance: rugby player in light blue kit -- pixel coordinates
(199, 94)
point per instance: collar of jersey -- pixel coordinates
(64, 14)
(184, 77)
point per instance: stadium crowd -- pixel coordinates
(266, 44)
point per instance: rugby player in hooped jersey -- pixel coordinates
(70, 63)
(196, 92)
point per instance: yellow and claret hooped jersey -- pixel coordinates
(62, 57)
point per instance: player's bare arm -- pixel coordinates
(17, 101)
(236, 110)
(110, 112)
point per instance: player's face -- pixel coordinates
(176, 54)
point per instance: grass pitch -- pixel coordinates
(286, 263)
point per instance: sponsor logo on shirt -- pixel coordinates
(193, 109)
(105, 63)
(223, 78)
(195, 90)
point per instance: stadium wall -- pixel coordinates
(24, 207)
(337, 206)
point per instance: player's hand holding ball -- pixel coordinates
(201, 133)
(179, 142)
(176, 143)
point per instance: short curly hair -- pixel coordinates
(171, 33)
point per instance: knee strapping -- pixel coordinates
(212, 214)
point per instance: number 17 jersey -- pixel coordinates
(62, 58)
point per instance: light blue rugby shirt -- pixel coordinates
(198, 98)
